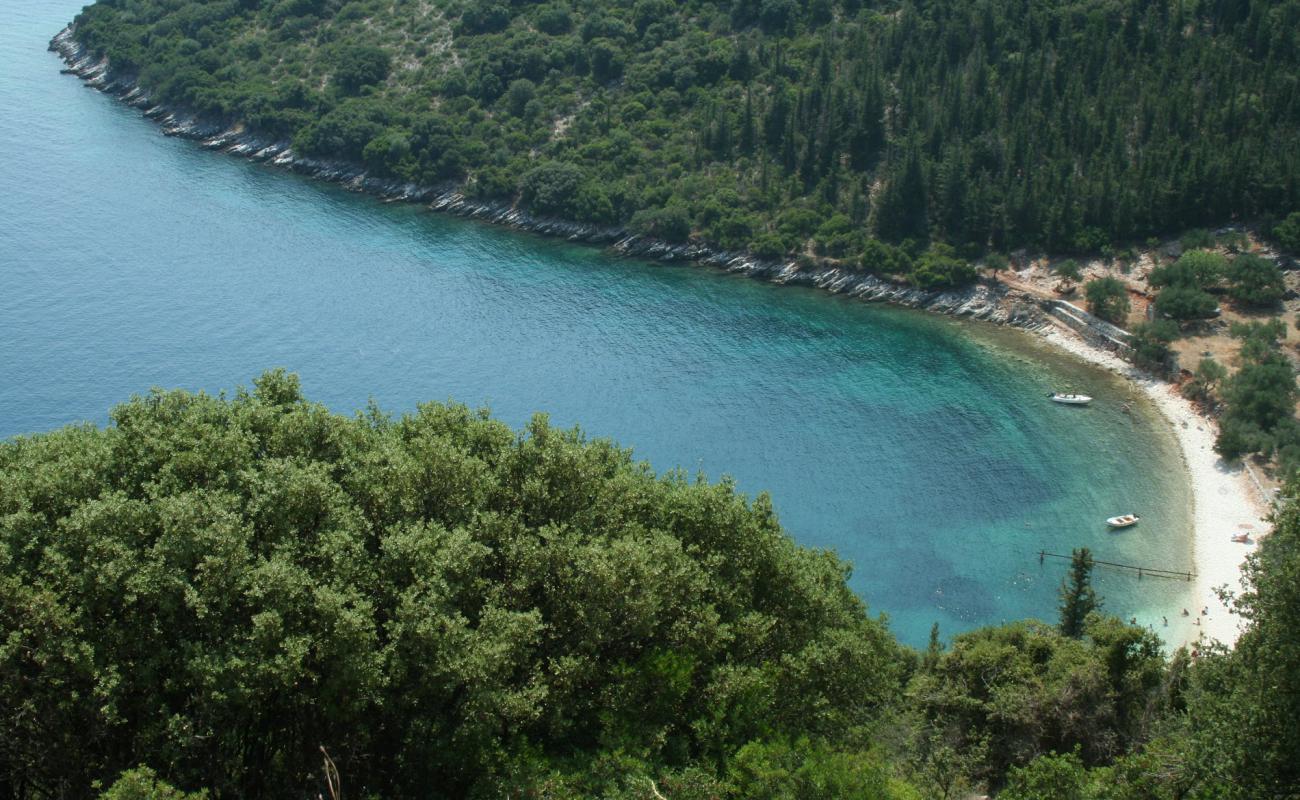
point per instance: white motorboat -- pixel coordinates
(1069, 399)
(1123, 521)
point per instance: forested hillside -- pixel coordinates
(253, 597)
(776, 125)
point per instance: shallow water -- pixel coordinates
(921, 449)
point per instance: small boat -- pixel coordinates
(1242, 538)
(1123, 521)
(1069, 399)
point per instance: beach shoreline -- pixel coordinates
(1224, 499)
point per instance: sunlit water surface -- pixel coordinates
(921, 449)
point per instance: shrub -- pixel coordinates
(225, 584)
(552, 188)
(938, 267)
(1199, 269)
(878, 256)
(1287, 233)
(1150, 345)
(1197, 239)
(1107, 298)
(1069, 268)
(1255, 281)
(671, 223)
(360, 65)
(1182, 302)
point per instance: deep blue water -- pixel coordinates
(919, 448)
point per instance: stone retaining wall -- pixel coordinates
(1095, 330)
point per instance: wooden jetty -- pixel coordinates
(1141, 571)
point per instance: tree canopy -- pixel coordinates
(252, 596)
(993, 124)
(222, 586)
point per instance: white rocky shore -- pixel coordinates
(993, 302)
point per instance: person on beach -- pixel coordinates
(1185, 613)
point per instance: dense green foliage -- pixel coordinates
(1024, 690)
(981, 124)
(221, 587)
(1244, 705)
(1255, 281)
(1205, 382)
(1107, 298)
(1150, 344)
(232, 597)
(1287, 233)
(1183, 285)
(1261, 398)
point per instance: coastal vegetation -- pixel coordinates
(248, 595)
(894, 137)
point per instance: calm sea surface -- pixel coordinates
(920, 449)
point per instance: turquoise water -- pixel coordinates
(919, 448)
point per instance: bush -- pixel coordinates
(142, 783)
(1069, 268)
(1182, 302)
(1150, 345)
(878, 256)
(769, 246)
(519, 95)
(671, 223)
(1255, 281)
(552, 188)
(554, 19)
(1107, 298)
(938, 268)
(1199, 269)
(1287, 233)
(360, 65)
(224, 584)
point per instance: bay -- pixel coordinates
(920, 449)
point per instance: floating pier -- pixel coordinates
(1141, 571)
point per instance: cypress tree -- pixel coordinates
(1078, 599)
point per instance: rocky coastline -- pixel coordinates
(989, 301)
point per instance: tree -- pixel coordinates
(226, 584)
(1242, 704)
(670, 223)
(1261, 396)
(142, 783)
(1150, 343)
(1197, 269)
(1205, 381)
(901, 212)
(1107, 298)
(360, 65)
(519, 95)
(939, 267)
(552, 188)
(1255, 281)
(1049, 777)
(1184, 302)
(1069, 269)
(1287, 233)
(1078, 599)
